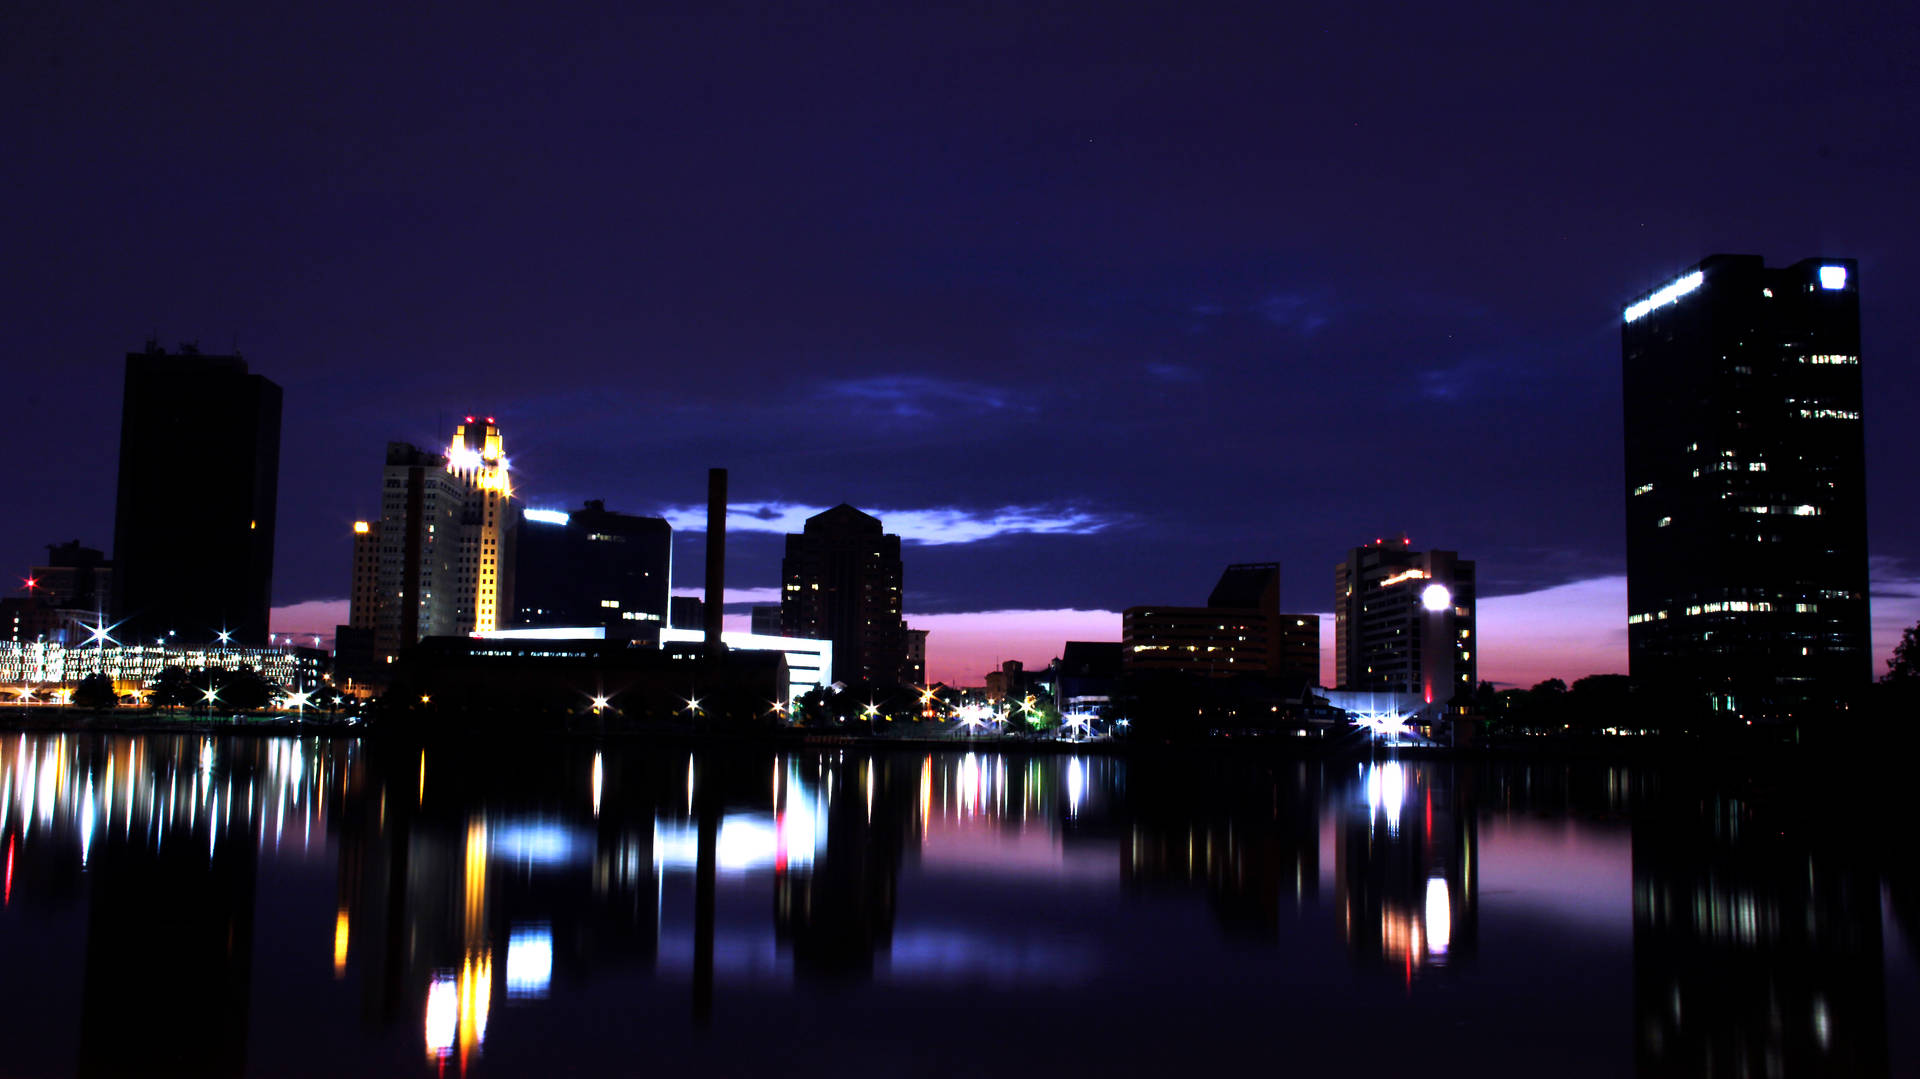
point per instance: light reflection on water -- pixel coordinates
(518, 910)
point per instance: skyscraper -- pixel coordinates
(444, 543)
(1746, 489)
(194, 513)
(842, 579)
(1404, 621)
(593, 567)
(483, 594)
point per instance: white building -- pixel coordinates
(809, 662)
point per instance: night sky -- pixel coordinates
(1085, 307)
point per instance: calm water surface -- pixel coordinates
(230, 906)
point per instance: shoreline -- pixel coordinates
(1642, 750)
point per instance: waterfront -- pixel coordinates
(308, 906)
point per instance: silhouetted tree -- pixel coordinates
(1597, 701)
(1904, 665)
(243, 689)
(173, 689)
(814, 708)
(95, 691)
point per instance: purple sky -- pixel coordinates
(1086, 307)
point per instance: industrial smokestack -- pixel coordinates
(716, 604)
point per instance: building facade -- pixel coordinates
(593, 567)
(1404, 622)
(75, 578)
(765, 620)
(71, 591)
(1240, 632)
(43, 665)
(442, 562)
(483, 587)
(809, 663)
(363, 601)
(842, 583)
(1746, 489)
(195, 507)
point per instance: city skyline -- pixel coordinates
(1069, 313)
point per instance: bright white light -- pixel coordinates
(529, 960)
(86, 823)
(969, 782)
(1382, 724)
(536, 843)
(801, 829)
(544, 633)
(1387, 791)
(1436, 597)
(1439, 916)
(1667, 295)
(1076, 785)
(1833, 278)
(443, 1014)
(547, 517)
(747, 841)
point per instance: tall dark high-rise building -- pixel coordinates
(766, 620)
(593, 567)
(194, 516)
(1404, 621)
(842, 580)
(1746, 489)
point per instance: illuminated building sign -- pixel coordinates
(1833, 278)
(547, 517)
(1671, 294)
